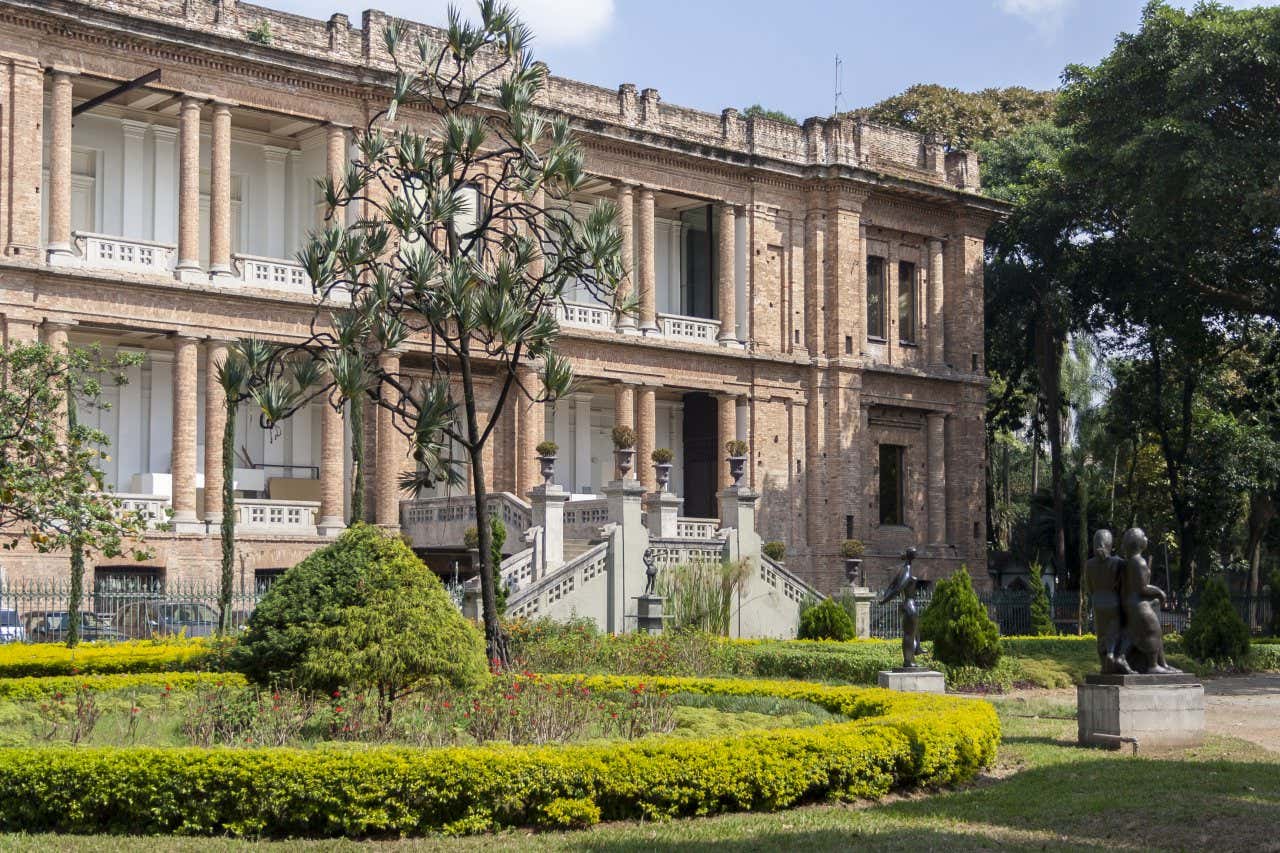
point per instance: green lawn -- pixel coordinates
(1045, 794)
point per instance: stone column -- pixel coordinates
(336, 153)
(188, 266)
(186, 351)
(220, 195)
(626, 211)
(645, 262)
(726, 431)
(55, 336)
(547, 502)
(59, 239)
(215, 421)
(937, 486)
(390, 452)
(20, 330)
(624, 413)
(937, 341)
(530, 429)
(646, 435)
(332, 465)
(726, 286)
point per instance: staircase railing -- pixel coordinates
(538, 599)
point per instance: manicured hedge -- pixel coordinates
(895, 740)
(45, 686)
(41, 659)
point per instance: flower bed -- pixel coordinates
(44, 659)
(892, 740)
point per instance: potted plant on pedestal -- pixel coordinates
(737, 458)
(852, 550)
(662, 467)
(547, 460)
(624, 453)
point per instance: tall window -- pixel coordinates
(907, 302)
(875, 297)
(892, 486)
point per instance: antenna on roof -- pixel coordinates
(835, 109)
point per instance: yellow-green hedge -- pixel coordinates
(42, 687)
(894, 740)
(40, 659)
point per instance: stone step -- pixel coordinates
(574, 548)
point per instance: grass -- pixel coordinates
(1044, 794)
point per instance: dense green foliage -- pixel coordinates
(1216, 631)
(19, 660)
(892, 740)
(825, 620)
(1041, 611)
(957, 624)
(962, 119)
(755, 110)
(42, 687)
(362, 612)
(775, 550)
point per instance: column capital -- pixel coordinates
(644, 190)
(58, 324)
(62, 72)
(337, 127)
(189, 101)
(184, 336)
(221, 105)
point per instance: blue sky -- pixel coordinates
(712, 54)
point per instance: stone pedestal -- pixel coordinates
(862, 598)
(649, 616)
(663, 509)
(914, 679)
(548, 502)
(1153, 710)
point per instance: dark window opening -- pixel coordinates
(892, 485)
(848, 527)
(698, 298)
(848, 344)
(875, 297)
(907, 302)
(797, 332)
(975, 362)
(701, 454)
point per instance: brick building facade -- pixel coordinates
(815, 290)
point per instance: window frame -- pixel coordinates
(899, 464)
(912, 291)
(880, 290)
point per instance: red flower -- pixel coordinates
(337, 710)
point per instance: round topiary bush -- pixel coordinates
(958, 625)
(826, 620)
(1216, 631)
(365, 613)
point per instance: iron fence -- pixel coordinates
(119, 609)
(1011, 611)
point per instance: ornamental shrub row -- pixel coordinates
(42, 687)
(43, 659)
(894, 740)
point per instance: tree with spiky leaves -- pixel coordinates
(245, 374)
(466, 243)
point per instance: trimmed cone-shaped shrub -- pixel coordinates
(363, 612)
(1216, 631)
(1041, 612)
(826, 620)
(957, 624)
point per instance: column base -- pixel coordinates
(650, 329)
(186, 522)
(222, 275)
(191, 274)
(731, 343)
(61, 255)
(628, 330)
(330, 526)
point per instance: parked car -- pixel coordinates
(147, 619)
(11, 630)
(50, 626)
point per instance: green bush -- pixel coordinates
(37, 660)
(775, 550)
(1041, 611)
(890, 741)
(365, 613)
(825, 620)
(1216, 631)
(958, 625)
(46, 686)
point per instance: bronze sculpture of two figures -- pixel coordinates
(1126, 606)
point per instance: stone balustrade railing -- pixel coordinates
(121, 253)
(781, 578)
(435, 522)
(585, 316)
(684, 328)
(582, 519)
(268, 516)
(154, 509)
(558, 586)
(273, 274)
(697, 528)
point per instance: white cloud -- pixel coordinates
(555, 23)
(1047, 16)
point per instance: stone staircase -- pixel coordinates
(575, 548)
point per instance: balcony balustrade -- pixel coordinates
(273, 274)
(102, 251)
(585, 316)
(267, 516)
(684, 328)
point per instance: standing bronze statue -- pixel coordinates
(907, 585)
(1126, 607)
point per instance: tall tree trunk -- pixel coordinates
(228, 528)
(1049, 363)
(1082, 541)
(357, 457)
(77, 544)
(494, 637)
(1262, 511)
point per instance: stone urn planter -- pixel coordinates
(623, 458)
(547, 468)
(737, 459)
(853, 571)
(662, 475)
